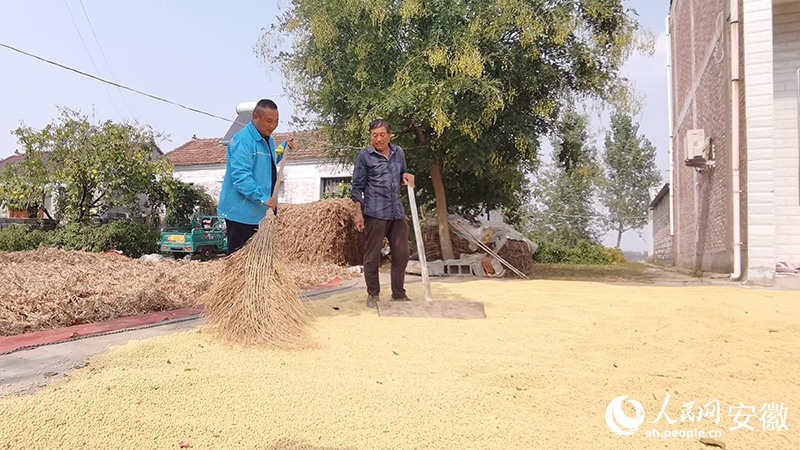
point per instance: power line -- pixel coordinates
(90, 56)
(79, 72)
(106, 59)
(580, 216)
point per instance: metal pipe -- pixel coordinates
(735, 144)
(671, 122)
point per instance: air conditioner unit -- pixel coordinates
(694, 142)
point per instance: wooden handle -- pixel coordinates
(280, 175)
(426, 287)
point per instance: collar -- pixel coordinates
(255, 133)
(392, 149)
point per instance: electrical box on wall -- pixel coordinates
(693, 143)
(698, 150)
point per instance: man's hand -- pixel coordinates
(271, 202)
(359, 222)
(290, 143)
(408, 179)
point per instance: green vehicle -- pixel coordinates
(206, 237)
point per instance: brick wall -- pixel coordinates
(786, 60)
(758, 72)
(701, 81)
(662, 240)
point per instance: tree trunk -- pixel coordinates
(619, 236)
(441, 213)
(438, 189)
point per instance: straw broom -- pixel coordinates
(254, 300)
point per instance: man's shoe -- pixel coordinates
(372, 301)
(401, 299)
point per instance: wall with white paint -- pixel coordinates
(786, 60)
(302, 180)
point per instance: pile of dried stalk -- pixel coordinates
(318, 232)
(50, 288)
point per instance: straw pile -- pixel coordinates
(51, 288)
(318, 232)
(516, 253)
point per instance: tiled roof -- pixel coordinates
(661, 194)
(198, 152)
(16, 157)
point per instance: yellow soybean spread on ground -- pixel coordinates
(539, 372)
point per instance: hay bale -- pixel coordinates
(319, 232)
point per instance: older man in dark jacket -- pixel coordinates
(380, 170)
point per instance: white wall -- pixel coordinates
(209, 177)
(757, 16)
(302, 180)
(786, 60)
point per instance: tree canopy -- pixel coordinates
(87, 167)
(630, 165)
(470, 85)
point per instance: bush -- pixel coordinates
(343, 191)
(17, 238)
(72, 236)
(587, 253)
(550, 253)
(615, 255)
(584, 252)
(132, 238)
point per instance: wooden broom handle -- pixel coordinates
(280, 174)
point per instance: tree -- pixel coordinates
(630, 165)
(472, 84)
(181, 201)
(569, 145)
(564, 210)
(26, 184)
(88, 167)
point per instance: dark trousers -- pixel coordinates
(396, 231)
(238, 234)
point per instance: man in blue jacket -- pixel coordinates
(250, 176)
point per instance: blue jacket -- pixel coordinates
(250, 175)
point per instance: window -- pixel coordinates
(336, 187)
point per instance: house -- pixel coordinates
(733, 201)
(661, 243)
(308, 173)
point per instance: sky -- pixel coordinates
(199, 54)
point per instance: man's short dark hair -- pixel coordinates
(264, 104)
(377, 123)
